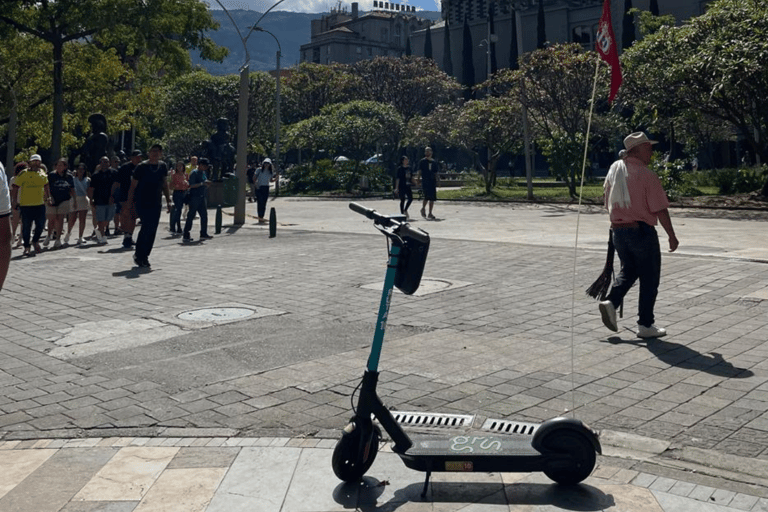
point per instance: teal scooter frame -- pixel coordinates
(563, 448)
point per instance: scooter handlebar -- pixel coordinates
(373, 215)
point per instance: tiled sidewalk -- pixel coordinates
(294, 475)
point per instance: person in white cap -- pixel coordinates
(636, 201)
(32, 194)
(262, 177)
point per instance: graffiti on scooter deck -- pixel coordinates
(473, 444)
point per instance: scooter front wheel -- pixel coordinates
(581, 452)
(351, 457)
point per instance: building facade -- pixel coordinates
(565, 21)
(347, 36)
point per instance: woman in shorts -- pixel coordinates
(79, 205)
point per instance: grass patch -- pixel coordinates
(592, 192)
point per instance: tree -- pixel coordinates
(312, 86)
(194, 102)
(702, 67)
(493, 124)
(557, 92)
(627, 26)
(164, 27)
(467, 62)
(447, 60)
(654, 7)
(412, 85)
(428, 43)
(541, 32)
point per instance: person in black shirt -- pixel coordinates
(127, 211)
(403, 185)
(149, 183)
(429, 168)
(61, 185)
(101, 192)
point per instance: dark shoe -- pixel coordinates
(106, 233)
(205, 237)
(140, 263)
(188, 238)
(128, 242)
(431, 217)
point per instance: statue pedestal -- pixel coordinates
(215, 194)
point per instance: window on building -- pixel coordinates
(583, 35)
(398, 28)
(316, 55)
(370, 51)
(359, 50)
(385, 35)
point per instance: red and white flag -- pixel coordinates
(606, 47)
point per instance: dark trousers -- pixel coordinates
(178, 206)
(197, 205)
(30, 214)
(406, 198)
(262, 195)
(150, 219)
(640, 255)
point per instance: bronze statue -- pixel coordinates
(220, 151)
(97, 142)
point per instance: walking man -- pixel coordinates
(636, 201)
(32, 194)
(127, 210)
(5, 226)
(428, 168)
(198, 182)
(148, 185)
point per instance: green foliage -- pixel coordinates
(675, 180)
(325, 176)
(313, 86)
(739, 181)
(564, 154)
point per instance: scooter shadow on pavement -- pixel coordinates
(682, 356)
(364, 495)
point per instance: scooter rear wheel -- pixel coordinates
(579, 448)
(348, 463)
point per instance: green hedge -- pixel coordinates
(325, 176)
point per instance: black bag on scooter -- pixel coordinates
(412, 258)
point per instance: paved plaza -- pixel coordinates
(241, 352)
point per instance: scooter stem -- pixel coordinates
(386, 299)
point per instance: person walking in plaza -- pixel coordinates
(403, 183)
(127, 210)
(79, 205)
(148, 185)
(6, 236)
(198, 181)
(263, 176)
(102, 195)
(62, 187)
(179, 187)
(16, 215)
(428, 169)
(635, 201)
(32, 194)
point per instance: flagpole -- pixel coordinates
(576, 243)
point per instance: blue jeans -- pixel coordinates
(640, 255)
(197, 205)
(178, 206)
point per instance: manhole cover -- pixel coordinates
(216, 314)
(427, 286)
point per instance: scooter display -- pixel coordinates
(563, 448)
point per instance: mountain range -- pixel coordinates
(292, 29)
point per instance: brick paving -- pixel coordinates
(499, 346)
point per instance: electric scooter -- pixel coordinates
(563, 448)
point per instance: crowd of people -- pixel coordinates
(51, 208)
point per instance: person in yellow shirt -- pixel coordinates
(32, 194)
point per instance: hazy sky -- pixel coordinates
(314, 5)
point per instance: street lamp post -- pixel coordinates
(277, 109)
(242, 113)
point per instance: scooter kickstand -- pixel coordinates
(426, 485)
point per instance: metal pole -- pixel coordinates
(277, 124)
(242, 143)
(526, 131)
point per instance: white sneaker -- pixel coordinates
(650, 332)
(608, 312)
(100, 237)
(80, 241)
(66, 237)
(47, 240)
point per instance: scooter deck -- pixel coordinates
(473, 452)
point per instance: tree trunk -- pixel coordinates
(58, 99)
